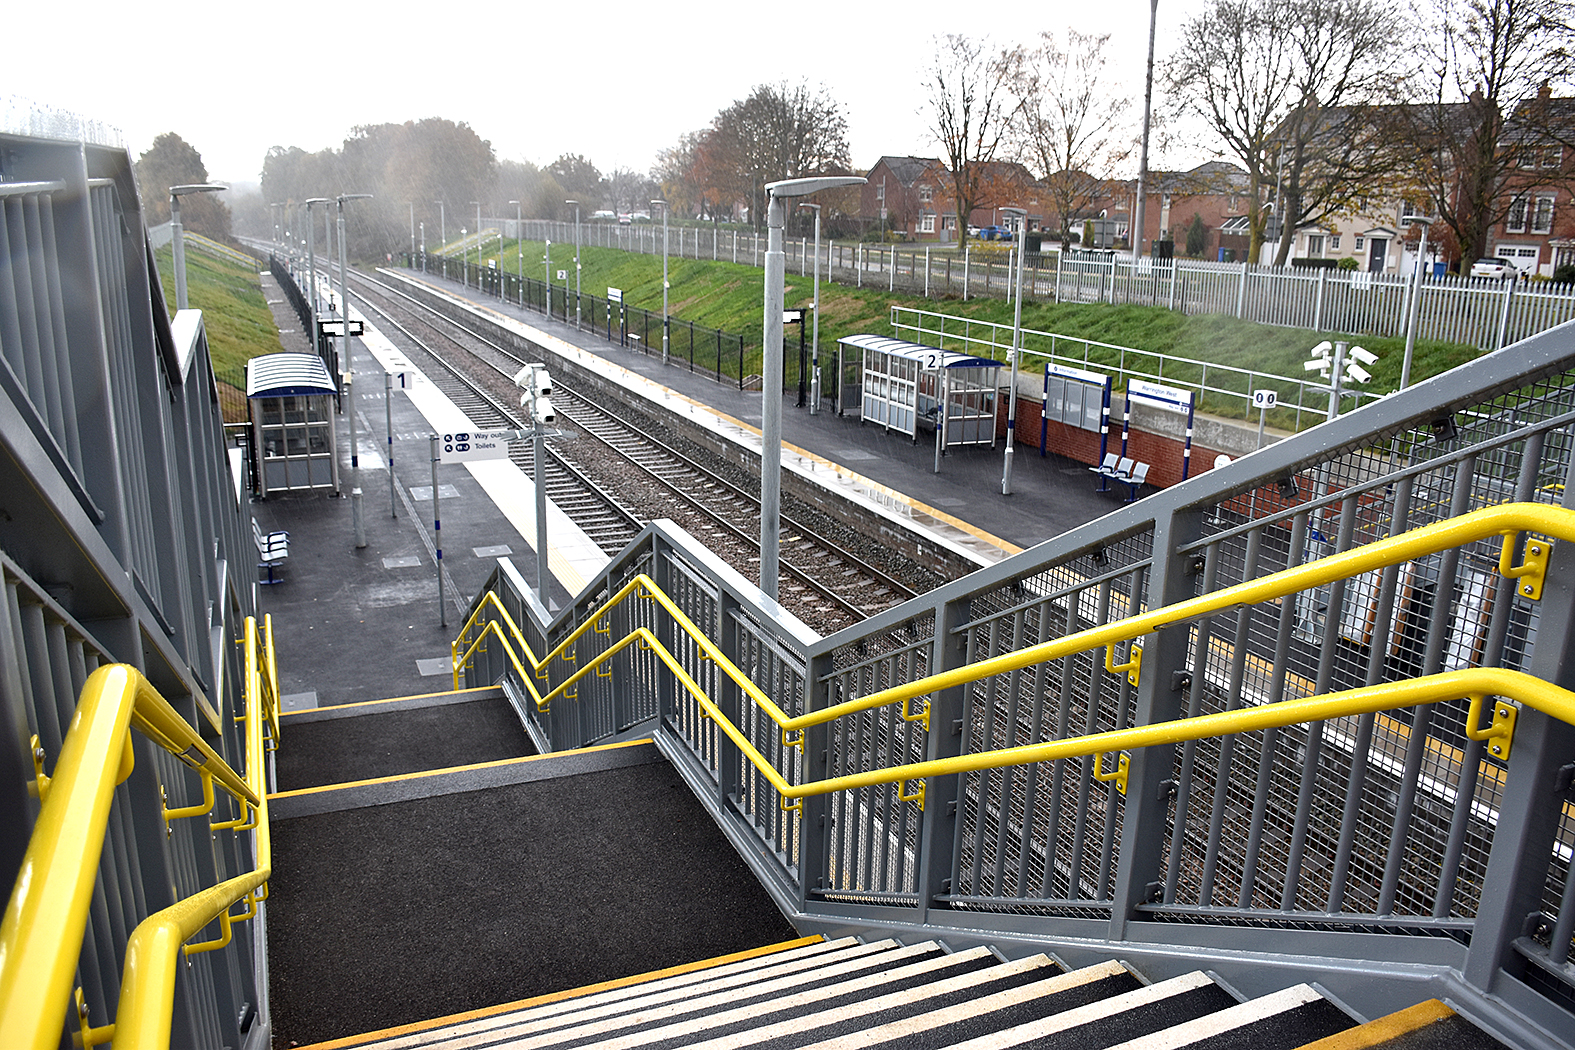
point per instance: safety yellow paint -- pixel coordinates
(1382, 1030)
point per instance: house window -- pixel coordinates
(880, 191)
(1515, 222)
(1356, 243)
(1334, 242)
(1314, 245)
(1542, 218)
(927, 224)
(926, 194)
(1551, 155)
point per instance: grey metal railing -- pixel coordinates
(123, 540)
(1380, 853)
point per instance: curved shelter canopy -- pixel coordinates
(905, 384)
(287, 375)
(291, 398)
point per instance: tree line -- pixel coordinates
(1325, 106)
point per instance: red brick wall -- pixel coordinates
(1161, 453)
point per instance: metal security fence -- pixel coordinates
(1477, 312)
(710, 351)
(1410, 826)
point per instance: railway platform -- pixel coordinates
(341, 606)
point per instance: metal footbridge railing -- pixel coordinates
(1301, 667)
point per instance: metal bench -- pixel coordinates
(1134, 480)
(272, 549)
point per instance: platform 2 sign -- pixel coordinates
(465, 445)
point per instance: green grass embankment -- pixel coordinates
(234, 312)
(728, 296)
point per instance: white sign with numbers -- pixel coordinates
(1264, 399)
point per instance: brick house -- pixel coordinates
(904, 194)
(1538, 230)
(1214, 192)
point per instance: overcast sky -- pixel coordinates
(615, 81)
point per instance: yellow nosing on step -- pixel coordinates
(1381, 1030)
(386, 700)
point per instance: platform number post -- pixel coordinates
(437, 535)
(534, 380)
(1263, 400)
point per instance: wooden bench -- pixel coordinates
(272, 549)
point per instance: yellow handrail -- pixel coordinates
(147, 990)
(1507, 520)
(41, 934)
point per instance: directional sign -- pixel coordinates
(615, 295)
(338, 327)
(462, 445)
(792, 316)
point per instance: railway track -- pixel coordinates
(619, 472)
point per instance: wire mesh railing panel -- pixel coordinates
(1051, 833)
(781, 674)
(874, 843)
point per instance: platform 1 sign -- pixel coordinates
(463, 446)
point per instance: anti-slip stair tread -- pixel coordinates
(785, 974)
(888, 1009)
(574, 999)
(954, 977)
(400, 740)
(1428, 1025)
(1283, 1020)
(980, 1024)
(591, 1027)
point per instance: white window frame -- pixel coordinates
(1315, 245)
(1356, 245)
(1334, 242)
(1542, 214)
(927, 223)
(926, 194)
(1519, 211)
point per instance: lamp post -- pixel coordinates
(663, 205)
(771, 382)
(442, 234)
(1021, 214)
(814, 340)
(519, 244)
(1138, 218)
(1414, 312)
(176, 192)
(349, 366)
(577, 263)
(412, 228)
(311, 270)
(478, 244)
(423, 246)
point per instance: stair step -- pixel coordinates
(1283, 1020)
(583, 1027)
(999, 1020)
(550, 1005)
(890, 1009)
(789, 1018)
(1428, 1025)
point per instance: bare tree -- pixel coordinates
(1332, 148)
(1073, 128)
(1485, 119)
(1234, 71)
(971, 102)
(780, 131)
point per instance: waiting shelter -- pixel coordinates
(291, 399)
(906, 384)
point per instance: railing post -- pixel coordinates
(729, 764)
(948, 708)
(1532, 804)
(814, 838)
(1160, 698)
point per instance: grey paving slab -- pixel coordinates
(298, 701)
(406, 561)
(436, 666)
(501, 550)
(422, 493)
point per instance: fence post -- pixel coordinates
(926, 271)
(1503, 317)
(1323, 281)
(938, 829)
(1147, 810)
(1241, 292)
(967, 259)
(892, 286)
(815, 831)
(858, 265)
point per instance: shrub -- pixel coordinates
(1347, 263)
(1564, 274)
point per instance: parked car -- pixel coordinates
(996, 233)
(1496, 268)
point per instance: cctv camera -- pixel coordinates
(1357, 372)
(1366, 357)
(542, 384)
(522, 377)
(543, 412)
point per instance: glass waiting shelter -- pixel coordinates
(905, 384)
(291, 403)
